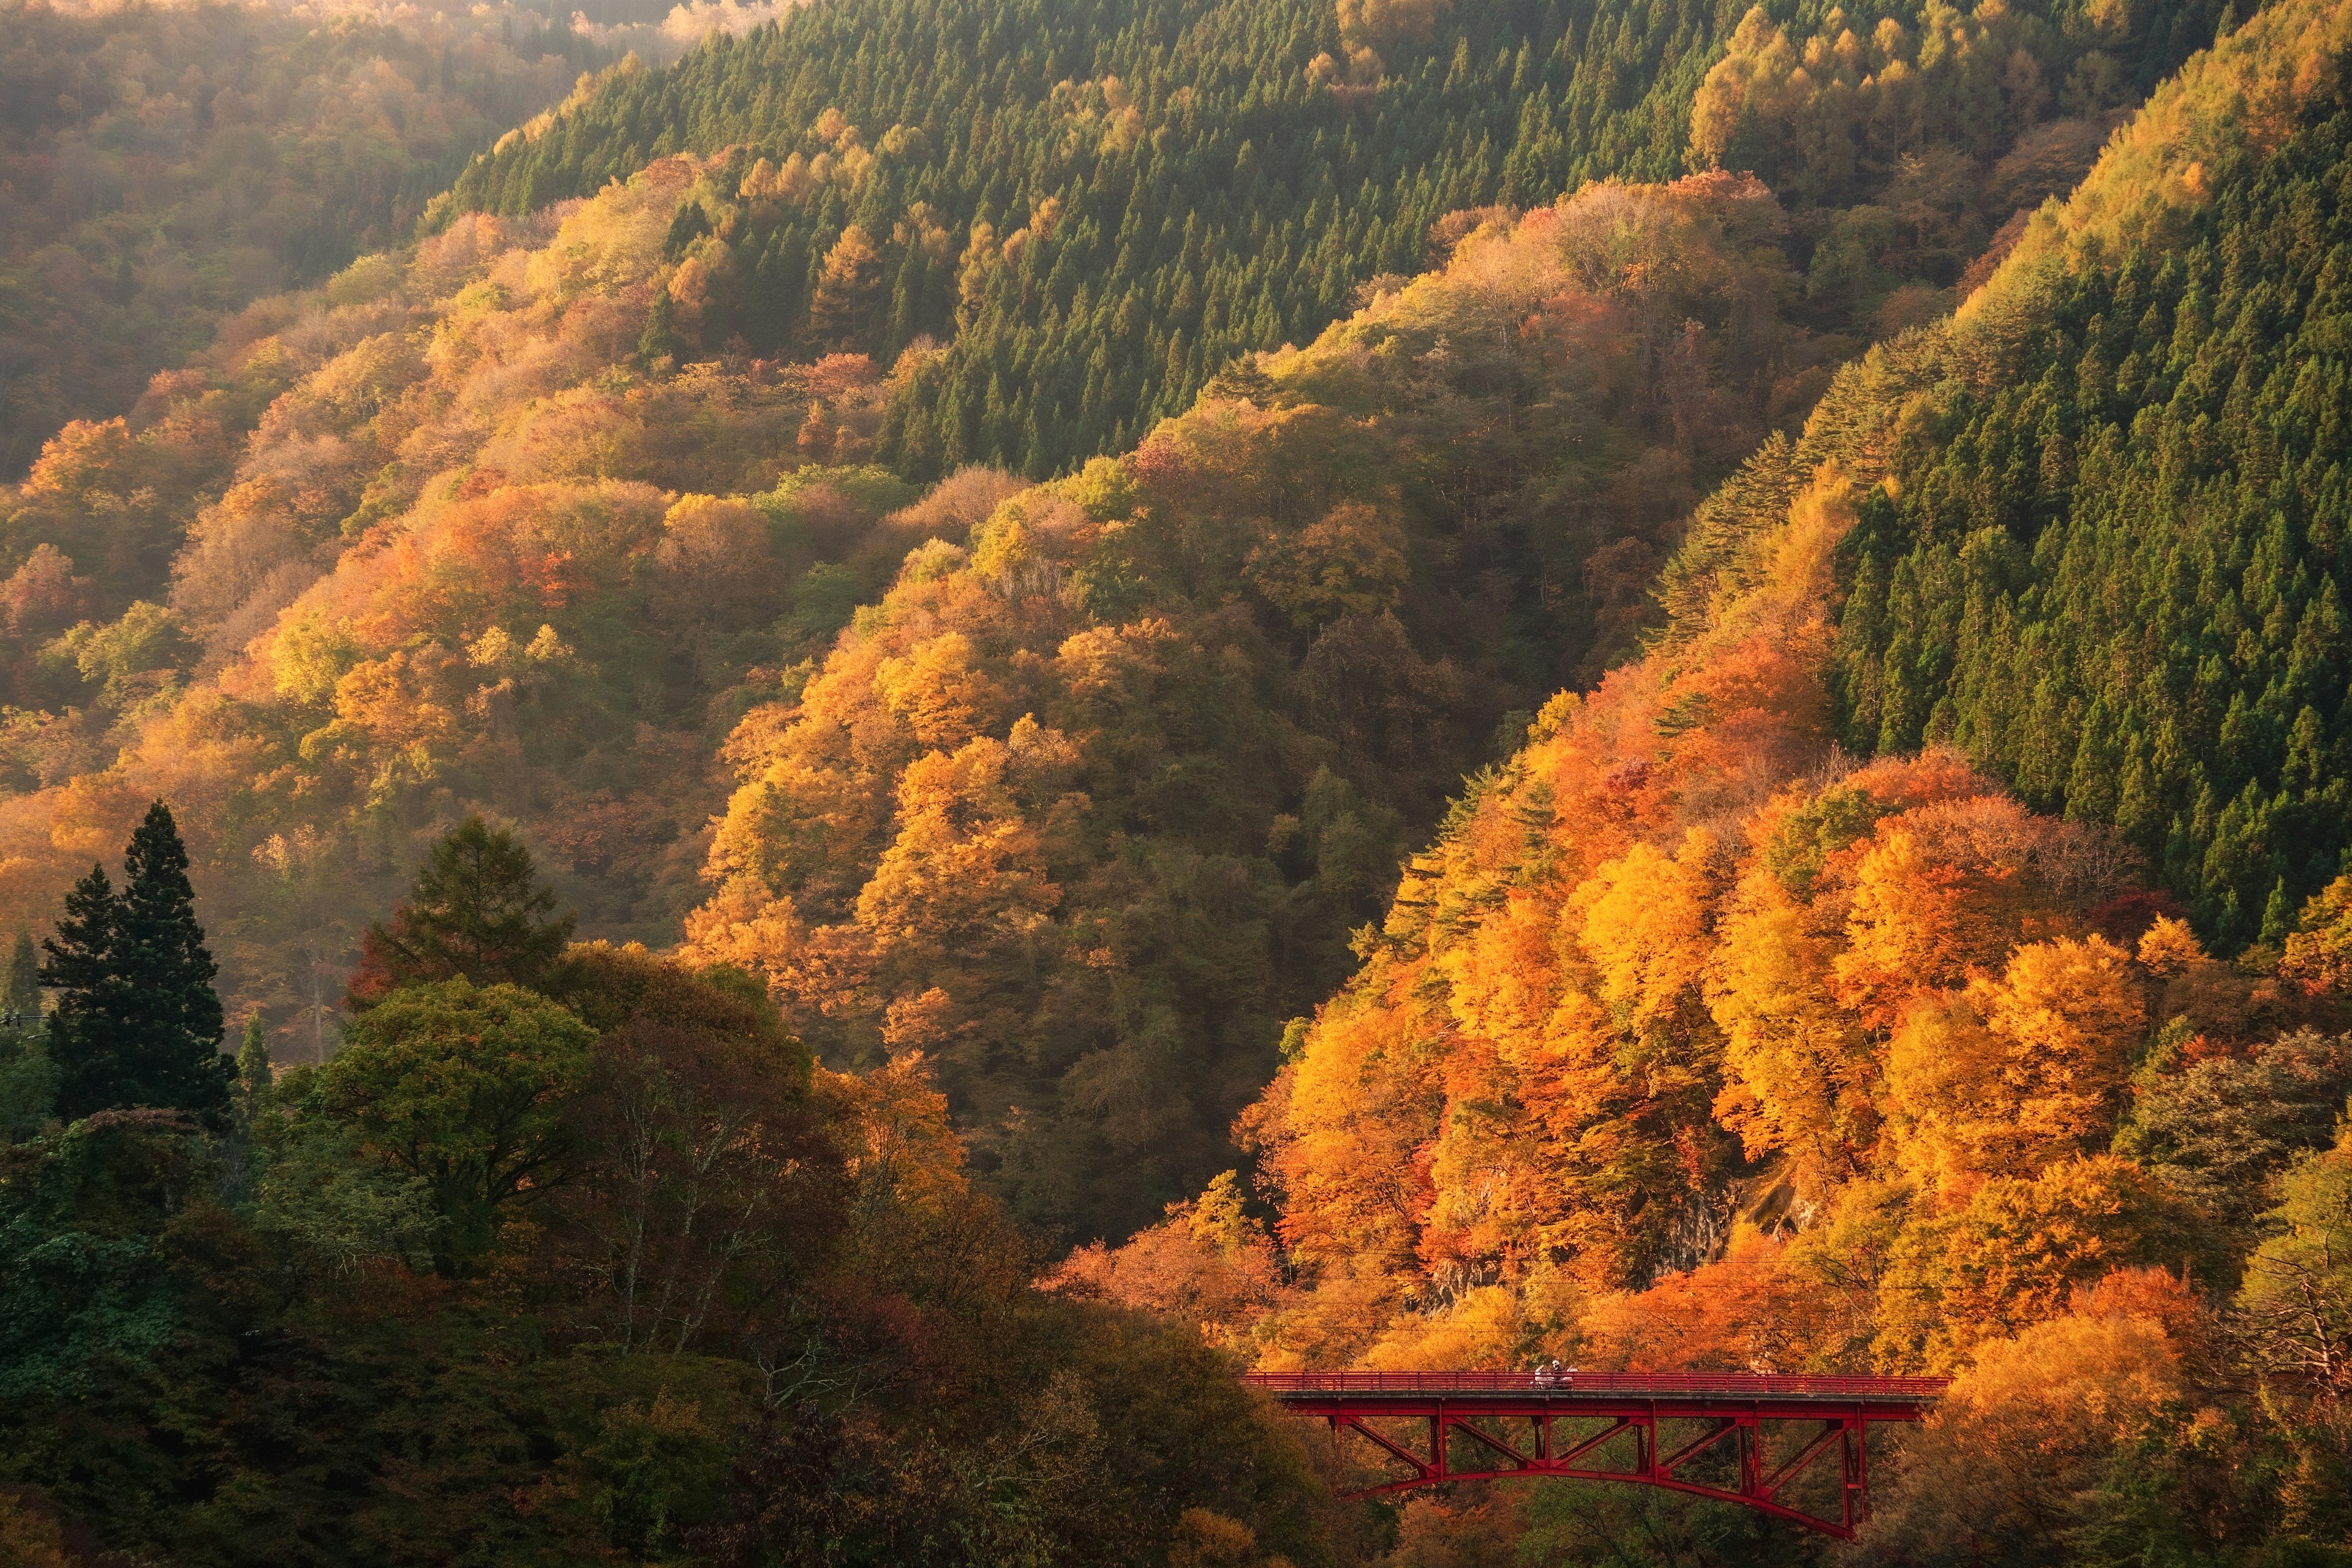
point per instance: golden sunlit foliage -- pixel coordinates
(1680, 971)
(1782, 997)
(1084, 805)
(1890, 973)
(2038, 1419)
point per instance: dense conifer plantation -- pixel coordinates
(2117, 578)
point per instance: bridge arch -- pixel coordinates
(1421, 1420)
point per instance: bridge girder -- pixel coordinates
(1830, 1426)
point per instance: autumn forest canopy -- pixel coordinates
(748, 806)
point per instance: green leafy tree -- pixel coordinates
(22, 995)
(81, 1281)
(137, 1020)
(704, 1185)
(2296, 1303)
(477, 910)
(321, 1195)
(28, 1087)
(461, 1087)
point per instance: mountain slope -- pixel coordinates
(1086, 807)
(2117, 581)
(1095, 207)
(2105, 564)
(503, 535)
(466, 556)
(1681, 966)
(483, 549)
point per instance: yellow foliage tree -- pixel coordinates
(1647, 925)
(2026, 1434)
(939, 690)
(1800, 1074)
(2013, 1254)
(2009, 1075)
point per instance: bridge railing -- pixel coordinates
(1631, 1385)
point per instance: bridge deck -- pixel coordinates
(1598, 1387)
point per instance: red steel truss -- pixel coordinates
(1772, 1429)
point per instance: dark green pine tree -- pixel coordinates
(84, 1046)
(477, 910)
(137, 1021)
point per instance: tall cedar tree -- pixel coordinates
(477, 910)
(254, 1072)
(137, 1021)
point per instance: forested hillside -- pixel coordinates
(527, 519)
(2105, 560)
(2116, 582)
(1695, 1041)
(1088, 803)
(479, 549)
(1459, 684)
(463, 556)
(162, 166)
(1076, 215)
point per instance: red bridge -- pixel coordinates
(1753, 1439)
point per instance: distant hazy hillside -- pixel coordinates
(161, 167)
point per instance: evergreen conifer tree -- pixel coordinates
(137, 1020)
(27, 1080)
(168, 971)
(254, 1074)
(477, 910)
(659, 340)
(83, 1048)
